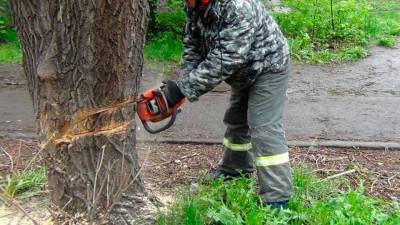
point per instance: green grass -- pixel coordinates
(25, 184)
(357, 24)
(388, 42)
(315, 202)
(10, 52)
(164, 47)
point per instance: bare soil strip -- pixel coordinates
(171, 166)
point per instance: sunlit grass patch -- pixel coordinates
(10, 52)
(164, 47)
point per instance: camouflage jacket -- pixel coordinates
(233, 41)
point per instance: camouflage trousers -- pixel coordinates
(255, 138)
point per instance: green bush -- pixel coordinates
(334, 30)
(387, 41)
(7, 33)
(316, 202)
(173, 19)
(10, 50)
(166, 30)
(170, 19)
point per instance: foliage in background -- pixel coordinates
(335, 30)
(164, 46)
(165, 37)
(319, 31)
(6, 31)
(10, 51)
(173, 19)
(315, 202)
(24, 184)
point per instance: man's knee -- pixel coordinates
(268, 139)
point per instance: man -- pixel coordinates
(237, 41)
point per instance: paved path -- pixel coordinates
(347, 102)
(306, 119)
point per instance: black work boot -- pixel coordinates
(216, 174)
(278, 205)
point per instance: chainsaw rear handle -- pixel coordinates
(167, 126)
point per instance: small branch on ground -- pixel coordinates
(7, 198)
(32, 160)
(338, 175)
(181, 158)
(10, 157)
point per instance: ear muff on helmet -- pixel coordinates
(201, 3)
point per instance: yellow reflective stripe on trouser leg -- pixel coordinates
(272, 160)
(236, 147)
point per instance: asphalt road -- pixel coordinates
(349, 102)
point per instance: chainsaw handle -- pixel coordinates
(168, 125)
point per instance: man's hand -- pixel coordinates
(171, 92)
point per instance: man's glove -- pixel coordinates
(171, 92)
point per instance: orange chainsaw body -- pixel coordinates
(153, 107)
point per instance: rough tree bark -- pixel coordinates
(83, 60)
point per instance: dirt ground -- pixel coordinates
(168, 167)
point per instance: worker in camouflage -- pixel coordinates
(238, 41)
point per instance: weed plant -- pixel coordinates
(24, 184)
(315, 202)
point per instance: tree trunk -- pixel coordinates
(83, 60)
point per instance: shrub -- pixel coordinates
(6, 31)
(166, 32)
(387, 41)
(337, 29)
(173, 19)
(169, 19)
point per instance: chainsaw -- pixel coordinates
(152, 106)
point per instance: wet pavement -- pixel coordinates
(357, 101)
(352, 101)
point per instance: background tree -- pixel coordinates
(83, 60)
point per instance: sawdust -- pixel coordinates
(105, 120)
